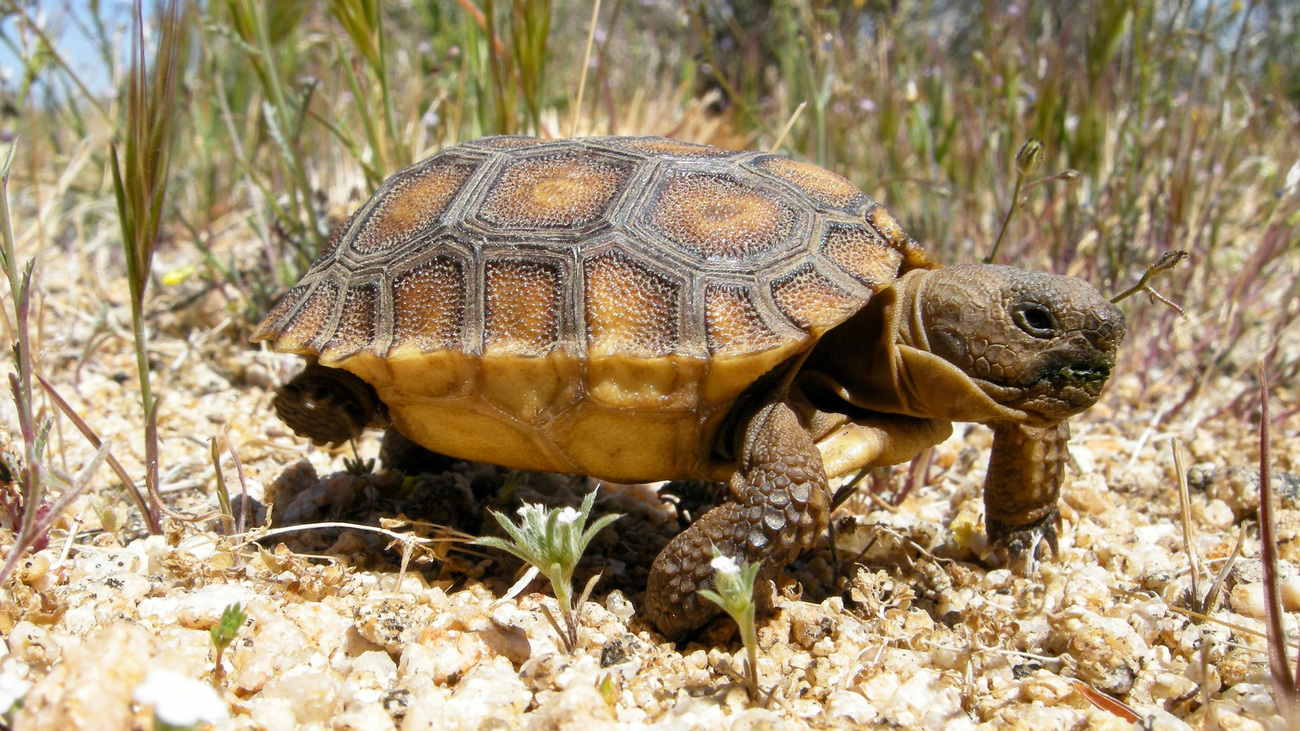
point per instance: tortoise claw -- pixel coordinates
(1026, 542)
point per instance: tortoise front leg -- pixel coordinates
(1023, 483)
(777, 504)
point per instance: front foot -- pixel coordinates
(776, 505)
(1021, 490)
(1026, 541)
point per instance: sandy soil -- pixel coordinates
(912, 622)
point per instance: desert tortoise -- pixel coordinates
(641, 309)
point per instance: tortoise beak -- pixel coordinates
(1067, 378)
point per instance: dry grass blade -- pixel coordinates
(789, 123)
(1185, 518)
(1104, 701)
(229, 519)
(586, 63)
(223, 495)
(1212, 595)
(97, 443)
(1285, 691)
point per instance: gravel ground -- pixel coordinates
(911, 622)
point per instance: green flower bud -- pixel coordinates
(1030, 157)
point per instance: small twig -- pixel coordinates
(1104, 701)
(1065, 176)
(847, 491)
(397, 537)
(1192, 614)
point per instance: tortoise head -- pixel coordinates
(327, 405)
(1041, 344)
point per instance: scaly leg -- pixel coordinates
(399, 453)
(1024, 481)
(777, 505)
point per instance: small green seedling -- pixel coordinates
(552, 541)
(735, 594)
(223, 633)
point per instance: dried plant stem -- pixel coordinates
(1167, 261)
(132, 491)
(586, 61)
(789, 123)
(1285, 691)
(1006, 221)
(1185, 515)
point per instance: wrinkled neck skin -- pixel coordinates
(897, 374)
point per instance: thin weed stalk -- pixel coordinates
(29, 475)
(1286, 690)
(140, 184)
(1028, 160)
(250, 24)
(363, 22)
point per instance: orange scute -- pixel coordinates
(560, 191)
(820, 183)
(716, 217)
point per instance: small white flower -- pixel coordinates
(725, 565)
(567, 516)
(528, 508)
(12, 690)
(180, 701)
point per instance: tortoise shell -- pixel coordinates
(591, 306)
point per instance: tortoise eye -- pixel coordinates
(1035, 319)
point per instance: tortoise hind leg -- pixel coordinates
(328, 405)
(776, 505)
(1024, 480)
(399, 453)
